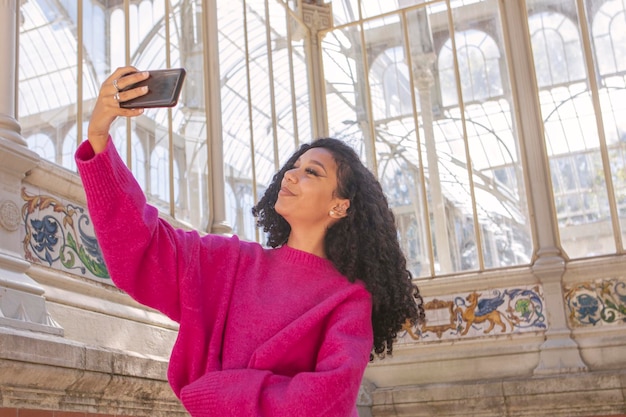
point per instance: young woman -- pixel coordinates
(280, 331)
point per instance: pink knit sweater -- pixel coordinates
(263, 332)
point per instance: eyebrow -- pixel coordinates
(318, 163)
(314, 162)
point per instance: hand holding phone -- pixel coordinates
(164, 88)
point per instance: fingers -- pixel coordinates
(129, 94)
(120, 72)
(123, 86)
(129, 79)
(113, 89)
(114, 78)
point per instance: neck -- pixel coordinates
(307, 242)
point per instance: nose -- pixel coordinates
(290, 175)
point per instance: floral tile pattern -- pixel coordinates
(480, 313)
(59, 234)
(597, 303)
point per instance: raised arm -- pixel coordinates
(143, 254)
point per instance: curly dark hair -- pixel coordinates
(363, 245)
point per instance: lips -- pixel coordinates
(285, 191)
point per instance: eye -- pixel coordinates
(311, 171)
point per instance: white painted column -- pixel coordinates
(22, 304)
(316, 17)
(422, 71)
(559, 352)
(9, 128)
(217, 192)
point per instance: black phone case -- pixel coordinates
(163, 89)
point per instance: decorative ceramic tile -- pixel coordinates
(59, 234)
(480, 313)
(597, 302)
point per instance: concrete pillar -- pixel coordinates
(316, 16)
(217, 200)
(424, 81)
(22, 304)
(559, 353)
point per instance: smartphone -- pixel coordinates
(163, 89)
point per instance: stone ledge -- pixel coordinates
(564, 395)
(91, 295)
(482, 359)
(46, 372)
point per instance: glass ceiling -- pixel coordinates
(48, 70)
(48, 64)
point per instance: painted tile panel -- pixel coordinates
(480, 313)
(59, 234)
(597, 303)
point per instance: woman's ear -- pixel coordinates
(340, 210)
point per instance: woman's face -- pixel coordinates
(307, 193)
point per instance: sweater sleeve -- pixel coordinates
(329, 390)
(143, 254)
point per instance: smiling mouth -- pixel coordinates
(285, 191)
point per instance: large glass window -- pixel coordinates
(266, 110)
(148, 34)
(584, 121)
(440, 131)
(422, 91)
